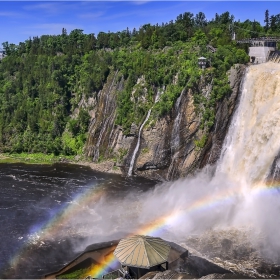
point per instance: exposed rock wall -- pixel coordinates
(167, 150)
(226, 108)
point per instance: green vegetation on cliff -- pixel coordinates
(43, 80)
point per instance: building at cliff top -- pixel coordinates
(2, 54)
(261, 49)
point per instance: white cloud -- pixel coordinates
(91, 15)
(50, 7)
(140, 2)
(12, 14)
(8, 14)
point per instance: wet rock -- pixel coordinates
(133, 129)
(243, 257)
(225, 110)
(226, 244)
(168, 274)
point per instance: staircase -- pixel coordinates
(211, 48)
(274, 56)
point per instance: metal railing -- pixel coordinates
(274, 56)
(211, 48)
(266, 39)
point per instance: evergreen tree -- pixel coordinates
(254, 29)
(273, 20)
(64, 32)
(266, 20)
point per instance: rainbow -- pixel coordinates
(63, 215)
(100, 269)
(154, 228)
(60, 218)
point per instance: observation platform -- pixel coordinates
(261, 48)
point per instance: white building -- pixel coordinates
(2, 53)
(261, 48)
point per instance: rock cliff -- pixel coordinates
(168, 148)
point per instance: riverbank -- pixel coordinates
(40, 158)
(104, 166)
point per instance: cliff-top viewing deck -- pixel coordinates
(259, 39)
(261, 49)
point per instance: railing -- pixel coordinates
(211, 48)
(266, 39)
(274, 57)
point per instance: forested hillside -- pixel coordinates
(44, 81)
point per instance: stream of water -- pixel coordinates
(131, 165)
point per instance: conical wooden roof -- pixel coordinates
(142, 251)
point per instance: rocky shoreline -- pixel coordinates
(104, 166)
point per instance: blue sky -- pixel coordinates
(20, 20)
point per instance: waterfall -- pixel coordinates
(159, 93)
(138, 144)
(252, 142)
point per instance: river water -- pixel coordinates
(48, 214)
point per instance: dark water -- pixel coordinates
(33, 195)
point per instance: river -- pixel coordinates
(48, 214)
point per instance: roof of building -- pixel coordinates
(142, 251)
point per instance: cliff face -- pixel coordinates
(167, 146)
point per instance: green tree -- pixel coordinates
(266, 20)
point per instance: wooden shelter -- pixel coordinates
(202, 61)
(140, 254)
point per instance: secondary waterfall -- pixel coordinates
(138, 144)
(252, 141)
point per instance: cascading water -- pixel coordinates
(138, 145)
(252, 142)
(159, 93)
